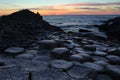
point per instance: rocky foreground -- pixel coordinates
(62, 56)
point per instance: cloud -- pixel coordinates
(117, 8)
(88, 8)
(52, 8)
(93, 4)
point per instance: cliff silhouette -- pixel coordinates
(19, 28)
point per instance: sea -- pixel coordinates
(76, 22)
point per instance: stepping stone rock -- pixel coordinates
(60, 53)
(13, 73)
(100, 53)
(89, 47)
(112, 51)
(81, 72)
(61, 64)
(44, 52)
(86, 57)
(47, 44)
(29, 65)
(114, 71)
(13, 51)
(34, 52)
(76, 57)
(24, 56)
(113, 59)
(94, 66)
(103, 77)
(41, 58)
(100, 58)
(50, 74)
(102, 63)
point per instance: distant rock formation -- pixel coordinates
(111, 28)
(17, 29)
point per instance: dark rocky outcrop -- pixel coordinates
(20, 28)
(111, 28)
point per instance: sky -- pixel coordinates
(62, 7)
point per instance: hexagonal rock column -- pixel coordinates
(114, 71)
(28, 65)
(81, 72)
(13, 51)
(47, 44)
(60, 53)
(61, 64)
(13, 73)
(50, 74)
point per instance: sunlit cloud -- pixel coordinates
(88, 8)
(93, 4)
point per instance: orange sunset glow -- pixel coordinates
(75, 8)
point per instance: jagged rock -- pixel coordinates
(13, 51)
(60, 53)
(50, 74)
(61, 64)
(114, 71)
(24, 56)
(94, 66)
(111, 28)
(13, 73)
(47, 44)
(81, 72)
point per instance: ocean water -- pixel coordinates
(76, 22)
